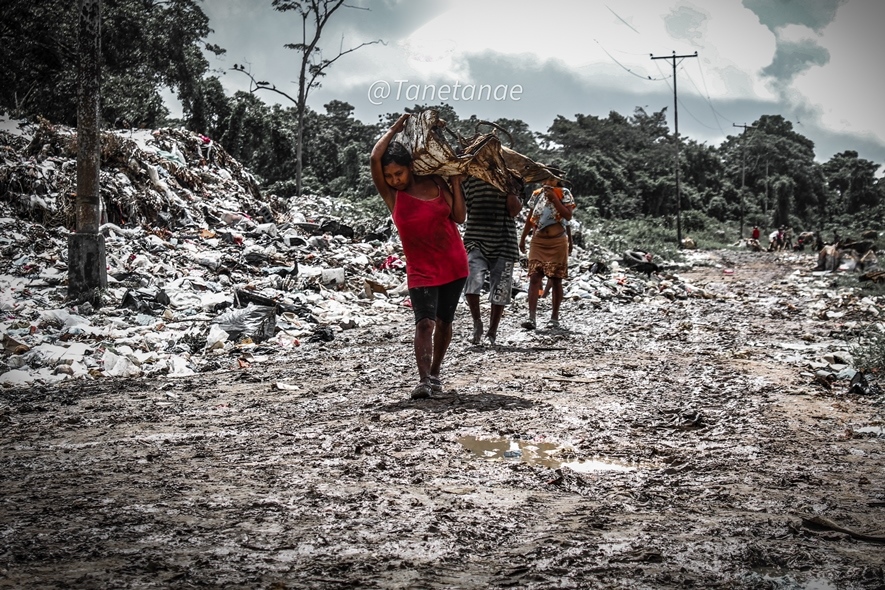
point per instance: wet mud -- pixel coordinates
(656, 444)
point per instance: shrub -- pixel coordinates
(869, 351)
(695, 221)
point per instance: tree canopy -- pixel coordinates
(147, 46)
(619, 166)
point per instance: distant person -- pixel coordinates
(774, 240)
(427, 215)
(490, 240)
(550, 210)
(206, 148)
(756, 233)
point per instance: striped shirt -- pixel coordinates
(489, 226)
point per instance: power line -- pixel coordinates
(718, 126)
(620, 19)
(673, 58)
(612, 57)
(707, 96)
(690, 113)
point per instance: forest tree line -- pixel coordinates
(619, 166)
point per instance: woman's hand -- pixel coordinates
(522, 245)
(400, 123)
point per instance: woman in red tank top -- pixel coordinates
(426, 214)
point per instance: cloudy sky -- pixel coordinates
(815, 62)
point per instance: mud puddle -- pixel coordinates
(691, 451)
(540, 453)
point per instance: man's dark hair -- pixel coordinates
(396, 154)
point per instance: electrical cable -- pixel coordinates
(625, 67)
(620, 19)
(714, 112)
(685, 108)
(707, 95)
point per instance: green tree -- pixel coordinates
(780, 168)
(147, 45)
(853, 180)
(626, 161)
(325, 135)
(315, 15)
(784, 190)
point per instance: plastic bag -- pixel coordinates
(257, 322)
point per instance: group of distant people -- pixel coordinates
(782, 239)
(441, 265)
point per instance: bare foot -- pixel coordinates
(477, 333)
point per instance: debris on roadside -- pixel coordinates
(201, 265)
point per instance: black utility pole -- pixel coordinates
(765, 207)
(674, 57)
(743, 173)
(87, 270)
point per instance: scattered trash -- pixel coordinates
(256, 322)
(199, 261)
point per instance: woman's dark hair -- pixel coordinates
(559, 172)
(396, 154)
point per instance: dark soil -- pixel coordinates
(656, 444)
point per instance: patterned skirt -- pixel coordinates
(549, 256)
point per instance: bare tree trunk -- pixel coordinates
(301, 105)
(87, 271)
(88, 138)
(320, 11)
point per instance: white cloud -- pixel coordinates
(848, 90)
(598, 39)
(571, 56)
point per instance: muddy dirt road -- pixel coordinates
(652, 444)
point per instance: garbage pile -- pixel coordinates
(198, 262)
(205, 272)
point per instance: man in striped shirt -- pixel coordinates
(492, 249)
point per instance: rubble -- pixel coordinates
(186, 239)
(202, 267)
(677, 415)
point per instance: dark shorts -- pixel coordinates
(437, 302)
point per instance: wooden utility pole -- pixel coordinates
(765, 209)
(674, 57)
(743, 173)
(87, 268)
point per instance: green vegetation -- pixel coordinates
(658, 234)
(620, 166)
(869, 352)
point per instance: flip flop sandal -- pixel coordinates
(435, 384)
(422, 391)
(528, 325)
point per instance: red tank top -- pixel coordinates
(435, 253)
